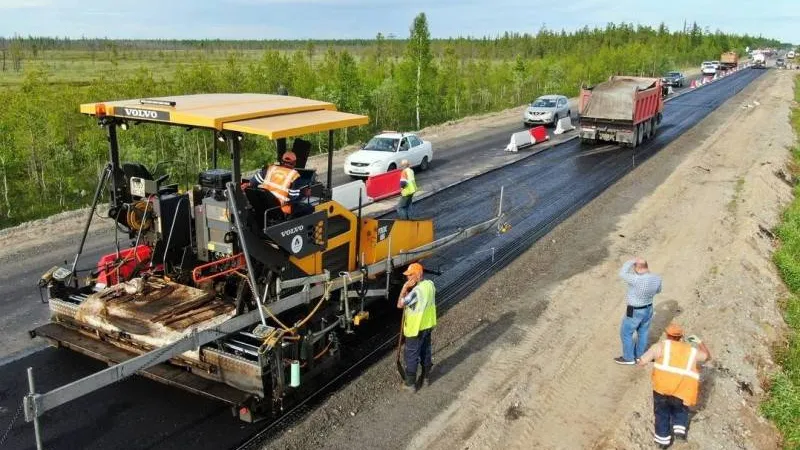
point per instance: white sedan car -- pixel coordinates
(384, 152)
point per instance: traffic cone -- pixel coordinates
(693, 84)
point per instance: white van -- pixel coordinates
(708, 68)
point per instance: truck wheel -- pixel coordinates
(636, 138)
(640, 134)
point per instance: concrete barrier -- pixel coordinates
(347, 194)
(563, 125)
(522, 139)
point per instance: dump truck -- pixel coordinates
(729, 60)
(759, 61)
(222, 292)
(626, 110)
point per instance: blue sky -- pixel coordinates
(301, 19)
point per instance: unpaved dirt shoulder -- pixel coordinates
(557, 388)
(525, 361)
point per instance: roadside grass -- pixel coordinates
(783, 404)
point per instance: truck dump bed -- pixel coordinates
(614, 99)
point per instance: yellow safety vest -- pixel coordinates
(411, 184)
(422, 314)
(675, 372)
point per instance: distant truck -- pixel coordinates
(625, 110)
(759, 61)
(729, 60)
(790, 55)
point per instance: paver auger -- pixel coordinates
(221, 293)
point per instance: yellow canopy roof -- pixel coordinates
(274, 116)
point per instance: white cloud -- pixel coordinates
(24, 4)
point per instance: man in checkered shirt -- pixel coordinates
(642, 287)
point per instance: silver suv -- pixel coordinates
(546, 109)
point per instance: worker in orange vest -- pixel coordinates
(676, 381)
(280, 180)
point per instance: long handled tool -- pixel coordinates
(400, 368)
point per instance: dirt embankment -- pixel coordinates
(526, 360)
(556, 386)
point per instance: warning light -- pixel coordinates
(100, 109)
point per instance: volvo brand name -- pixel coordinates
(292, 231)
(146, 114)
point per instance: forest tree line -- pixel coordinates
(50, 155)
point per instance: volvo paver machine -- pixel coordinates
(221, 292)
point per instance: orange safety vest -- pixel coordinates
(278, 181)
(675, 373)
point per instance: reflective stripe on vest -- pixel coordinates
(422, 314)
(675, 372)
(411, 185)
(278, 180)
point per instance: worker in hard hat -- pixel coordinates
(643, 285)
(281, 180)
(676, 381)
(408, 186)
(418, 301)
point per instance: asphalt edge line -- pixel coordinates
(19, 354)
(427, 194)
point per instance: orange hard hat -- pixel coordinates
(674, 330)
(413, 269)
(289, 158)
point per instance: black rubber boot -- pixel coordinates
(426, 375)
(409, 383)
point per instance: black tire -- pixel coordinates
(392, 167)
(569, 114)
(425, 164)
(640, 135)
(636, 138)
(555, 121)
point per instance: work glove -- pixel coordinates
(694, 340)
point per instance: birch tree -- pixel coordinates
(418, 53)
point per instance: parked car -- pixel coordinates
(384, 152)
(546, 110)
(708, 68)
(780, 63)
(674, 79)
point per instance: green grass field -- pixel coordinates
(783, 405)
(80, 67)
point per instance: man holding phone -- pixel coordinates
(642, 287)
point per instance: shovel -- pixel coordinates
(400, 368)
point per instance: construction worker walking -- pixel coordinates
(418, 301)
(408, 186)
(676, 381)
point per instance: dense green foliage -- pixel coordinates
(783, 406)
(50, 155)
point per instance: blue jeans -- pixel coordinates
(404, 207)
(418, 352)
(672, 417)
(639, 323)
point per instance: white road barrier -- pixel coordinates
(347, 194)
(563, 125)
(519, 140)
